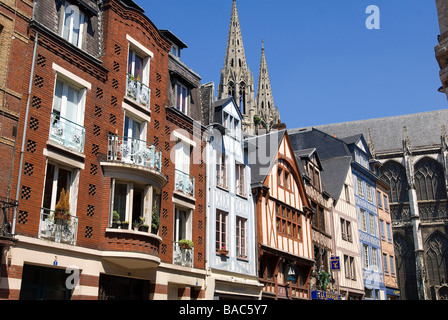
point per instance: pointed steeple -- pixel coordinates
(266, 109)
(236, 78)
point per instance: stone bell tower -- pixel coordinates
(442, 48)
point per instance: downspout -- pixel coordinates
(25, 127)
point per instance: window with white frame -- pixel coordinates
(383, 235)
(72, 24)
(221, 230)
(128, 201)
(389, 232)
(378, 197)
(375, 257)
(183, 224)
(59, 178)
(366, 255)
(182, 95)
(392, 265)
(241, 237)
(372, 224)
(363, 220)
(349, 267)
(138, 72)
(67, 117)
(360, 191)
(221, 170)
(240, 179)
(369, 193)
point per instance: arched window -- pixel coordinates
(436, 249)
(429, 180)
(243, 98)
(395, 175)
(405, 267)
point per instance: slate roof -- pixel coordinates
(424, 130)
(262, 151)
(334, 155)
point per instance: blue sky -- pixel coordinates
(325, 66)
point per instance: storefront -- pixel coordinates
(325, 295)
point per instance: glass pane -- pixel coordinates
(72, 104)
(121, 191)
(77, 21)
(67, 23)
(57, 97)
(64, 178)
(48, 186)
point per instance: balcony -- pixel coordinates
(137, 91)
(183, 256)
(57, 230)
(132, 249)
(134, 152)
(67, 133)
(184, 183)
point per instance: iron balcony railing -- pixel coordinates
(57, 230)
(183, 256)
(134, 151)
(67, 133)
(184, 183)
(138, 91)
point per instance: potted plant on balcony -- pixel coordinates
(155, 222)
(62, 209)
(142, 226)
(186, 244)
(115, 220)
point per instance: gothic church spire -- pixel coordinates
(236, 78)
(266, 109)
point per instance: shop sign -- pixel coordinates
(325, 295)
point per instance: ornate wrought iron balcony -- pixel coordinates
(134, 151)
(67, 133)
(57, 230)
(183, 256)
(138, 91)
(184, 183)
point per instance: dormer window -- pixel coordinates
(175, 50)
(182, 95)
(72, 28)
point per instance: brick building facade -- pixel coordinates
(102, 124)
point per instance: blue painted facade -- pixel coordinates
(364, 182)
(231, 247)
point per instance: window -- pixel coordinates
(280, 177)
(221, 230)
(386, 269)
(378, 196)
(363, 220)
(58, 178)
(138, 72)
(375, 257)
(349, 267)
(383, 235)
(182, 225)
(182, 98)
(72, 24)
(366, 256)
(67, 118)
(128, 201)
(372, 224)
(386, 203)
(221, 171)
(392, 265)
(287, 180)
(184, 182)
(360, 192)
(241, 238)
(369, 193)
(240, 179)
(389, 232)
(347, 193)
(346, 230)
(288, 222)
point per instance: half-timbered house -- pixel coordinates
(285, 247)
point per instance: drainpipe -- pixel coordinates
(25, 127)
